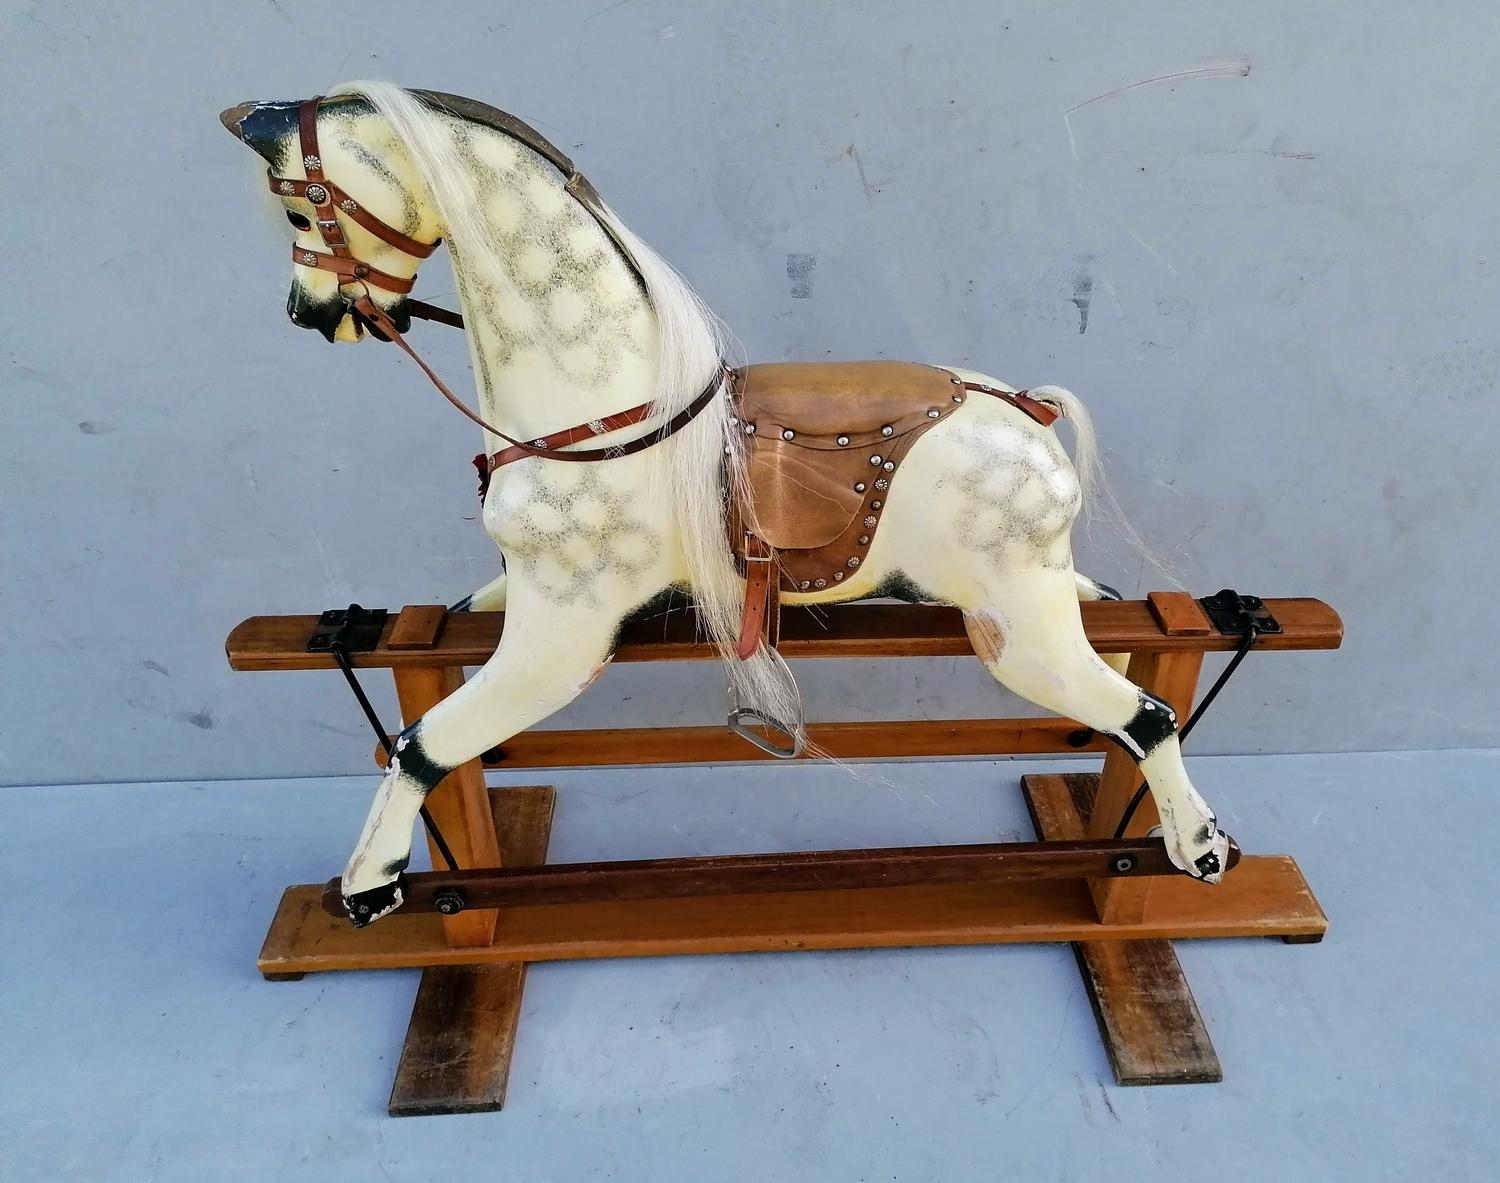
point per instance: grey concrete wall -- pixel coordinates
(1277, 292)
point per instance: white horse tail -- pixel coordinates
(1098, 499)
(1085, 442)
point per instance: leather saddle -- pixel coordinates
(824, 443)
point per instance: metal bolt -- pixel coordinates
(449, 901)
(1124, 864)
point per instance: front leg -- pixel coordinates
(546, 658)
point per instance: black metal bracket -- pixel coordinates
(1234, 615)
(354, 629)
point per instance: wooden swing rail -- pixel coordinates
(457, 1051)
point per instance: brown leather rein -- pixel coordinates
(328, 200)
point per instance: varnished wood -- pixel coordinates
(639, 746)
(1148, 1019)
(456, 1058)
(1179, 614)
(841, 630)
(786, 871)
(1265, 896)
(460, 805)
(417, 626)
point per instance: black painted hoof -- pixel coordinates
(1209, 866)
(366, 907)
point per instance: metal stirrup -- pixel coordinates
(740, 715)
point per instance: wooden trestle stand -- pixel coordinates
(458, 1047)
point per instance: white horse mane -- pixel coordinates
(702, 459)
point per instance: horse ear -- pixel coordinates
(266, 127)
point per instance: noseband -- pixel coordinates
(329, 200)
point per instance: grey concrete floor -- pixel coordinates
(140, 1045)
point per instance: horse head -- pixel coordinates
(362, 215)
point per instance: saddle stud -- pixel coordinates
(843, 441)
(889, 466)
(854, 561)
(864, 540)
(881, 484)
(933, 413)
(875, 460)
(749, 429)
(820, 583)
(788, 434)
(870, 522)
(837, 575)
(958, 398)
(316, 194)
(877, 505)
(887, 431)
(804, 585)
(859, 486)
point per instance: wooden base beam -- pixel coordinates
(1263, 896)
(456, 1058)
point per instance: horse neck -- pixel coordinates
(566, 334)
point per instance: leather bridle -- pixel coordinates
(329, 200)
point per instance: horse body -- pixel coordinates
(570, 318)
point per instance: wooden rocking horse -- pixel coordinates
(625, 461)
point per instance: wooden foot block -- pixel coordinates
(463, 1028)
(1148, 1018)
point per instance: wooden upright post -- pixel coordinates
(459, 805)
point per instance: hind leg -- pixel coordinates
(1092, 589)
(1029, 634)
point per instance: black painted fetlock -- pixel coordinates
(366, 907)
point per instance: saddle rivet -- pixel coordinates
(309, 259)
(882, 484)
(958, 398)
(820, 583)
(870, 522)
(934, 413)
(889, 466)
(348, 205)
(316, 194)
(837, 575)
(864, 540)
(804, 585)
(843, 441)
(887, 430)
(311, 162)
(854, 562)
(287, 187)
(859, 486)
(956, 381)
(788, 434)
(877, 504)
(749, 429)
(875, 460)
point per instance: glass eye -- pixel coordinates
(301, 221)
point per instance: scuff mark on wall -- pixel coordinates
(1083, 294)
(799, 269)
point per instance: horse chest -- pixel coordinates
(583, 532)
